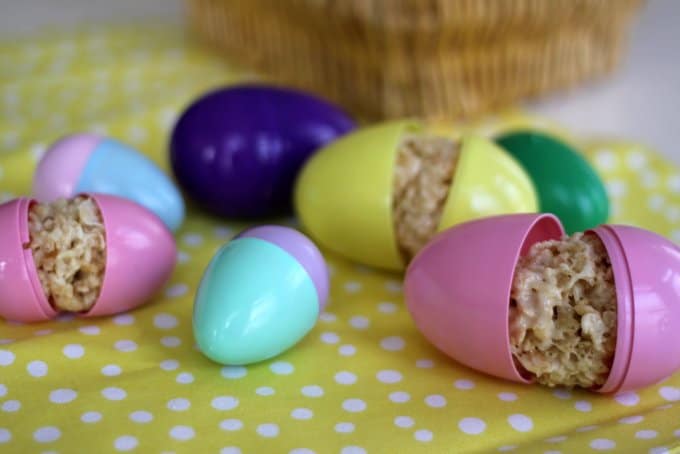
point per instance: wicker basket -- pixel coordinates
(394, 58)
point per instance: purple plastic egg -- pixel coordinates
(236, 151)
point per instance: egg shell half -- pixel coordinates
(344, 193)
(88, 163)
(140, 257)
(260, 295)
(457, 290)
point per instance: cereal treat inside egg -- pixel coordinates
(69, 250)
(563, 312)
(423, 173)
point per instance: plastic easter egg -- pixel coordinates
(140, 257)
(344, 193)
(458, 292)
(236, 151)
(88, 163)
(260, 295)
(566, 184)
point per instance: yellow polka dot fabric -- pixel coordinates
(363, 381)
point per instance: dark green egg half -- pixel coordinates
(565, 182)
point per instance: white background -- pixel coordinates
(640, 102)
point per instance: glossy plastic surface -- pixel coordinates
(117, 169)
(457, 288)
(255, 300)
(60, 168)
(566, 183)
(237, 150)
(302, 249)
(486, 182)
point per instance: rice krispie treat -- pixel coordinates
(563, 312)
(423, 173)
(69, 250)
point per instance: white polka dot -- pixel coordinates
(400, 397)
(302, 413)
(664, 407)
(344, 427)
(464, 384)
(404, 422)
(425, 363)
(312, 391)
(5, 435)
(63, 396)
(520, 423)
(393, 286)
(583, 405)
(170, 364)
(90, 330)
(111, 370)
(265, 391)
(393, 343)
(352, 287)
(43, 332)
(91, 417)
(673, 183)
(389, 376)
(631, 419)
(670, 393)
(179, 404)
(507, 397)
(282, 368)
(46, 434)
(223, 232)
(125, 443)
(174, 291)
(506, 448)
(301, 451)
(141, 416)
(327, 317)
(352, 450)
(423, 435)
(359, 322)
(602, 444)
(562, 393)
(10, 406)
(37, 368)
(435, 400)
(3, 390)
(347, 350)
(185, 378)
(636, 160)
(628, 399)
(659, 450)
(125, 345)
(587, 428)
(646, 434)
(354, 405)
(656, 202)
(224, 403)
(345, 378)
(268, 430)
(182, 433)
(231, 450)
(330, 338)
(165, 321)
(73, 351)
(472, 426)
(182, 257)
(616, 188)
(233, 372)
(124, 319)
(672, 213)
(231, 425)
(193, 239)
(650, 179)
(558, 439)
(113, 393)
(171, 341)
(387, 307)
(605, 159)
(6, 357)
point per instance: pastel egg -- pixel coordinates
(137, 257)
(236, 151)
(82, 163)
(458, 291)
(260, 295)
(347, 197)
(566, 184)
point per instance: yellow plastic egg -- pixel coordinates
(344, 194)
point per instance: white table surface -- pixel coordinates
(640, 102)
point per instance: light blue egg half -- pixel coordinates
(254, 302)
(117, 169)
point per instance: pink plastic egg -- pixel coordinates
(140, 256)
(458, 291)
